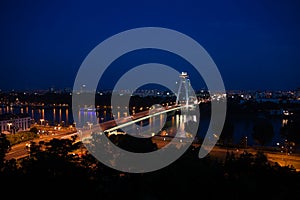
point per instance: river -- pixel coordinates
(63, 115)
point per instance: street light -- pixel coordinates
(9, 125)
(90, 124)
(42, 121)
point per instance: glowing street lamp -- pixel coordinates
(90, 124)
(9, 125)
(42, 120)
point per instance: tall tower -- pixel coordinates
(183, 84)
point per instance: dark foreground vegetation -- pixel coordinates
(57, 169)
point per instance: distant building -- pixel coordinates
(14, 122)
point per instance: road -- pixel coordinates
(220, 153)
(20, 151)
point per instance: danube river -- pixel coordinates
(53, 116)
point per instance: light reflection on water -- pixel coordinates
(64, 115)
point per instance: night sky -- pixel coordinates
(255, 44)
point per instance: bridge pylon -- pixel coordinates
(184, 86)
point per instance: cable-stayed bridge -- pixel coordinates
(184, 102)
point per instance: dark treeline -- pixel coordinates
(53, 171)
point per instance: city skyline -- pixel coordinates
(58, 90)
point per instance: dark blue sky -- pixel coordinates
(255, 44)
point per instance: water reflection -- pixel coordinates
(53, 116)
(284, 122)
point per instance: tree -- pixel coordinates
(133, 144)
(226, 136)
(263, 131)
(34, 130)
(73, 138)
(4, 147)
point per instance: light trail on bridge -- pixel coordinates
(112, 125)
(144, 118)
